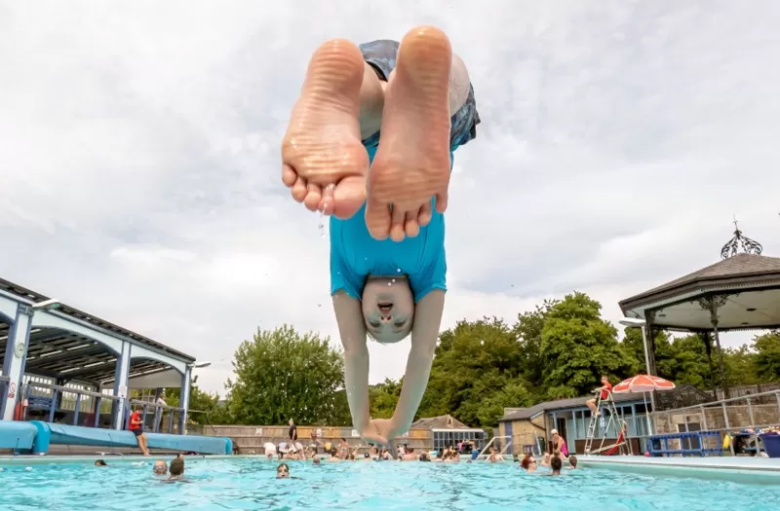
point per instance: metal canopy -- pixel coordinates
(744, 288)
(64, 355)
(30, 295)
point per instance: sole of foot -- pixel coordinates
(412, 163)
(324, 162)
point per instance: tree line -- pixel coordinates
(559, 350)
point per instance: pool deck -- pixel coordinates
(725, 467)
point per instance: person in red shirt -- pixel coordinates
(606, 393)
(137, 427)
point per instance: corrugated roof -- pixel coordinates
(33, 296)
(560, 404)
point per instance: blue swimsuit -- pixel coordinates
(354, 254)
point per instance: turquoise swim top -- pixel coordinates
(354, 255)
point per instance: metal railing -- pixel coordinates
(157, 413)
(86, 407)
(492, 440)
(748, 412)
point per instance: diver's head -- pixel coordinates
(388, 308)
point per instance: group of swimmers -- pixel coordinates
(174, 472)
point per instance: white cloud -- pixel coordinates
(139, 167)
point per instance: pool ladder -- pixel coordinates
(621, 433)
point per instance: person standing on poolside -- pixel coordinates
(137, 428)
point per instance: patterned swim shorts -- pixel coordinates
(381, 55)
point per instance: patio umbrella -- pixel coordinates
(643, 383)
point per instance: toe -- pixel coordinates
(397, 225)
(327, 204)
(377, 219)
(298, 189)
(289, 176)
(425, 214)
(441, 201)
(411, 227)
(313, 197)
(349, 196)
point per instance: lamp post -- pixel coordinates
(642, 324)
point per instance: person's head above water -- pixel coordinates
(388, 308)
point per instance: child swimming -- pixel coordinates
(417, 94)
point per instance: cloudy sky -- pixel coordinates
(140, 167)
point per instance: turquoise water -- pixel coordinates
(249, 484)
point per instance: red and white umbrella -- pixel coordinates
(642, 383)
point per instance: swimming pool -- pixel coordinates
(250, 484)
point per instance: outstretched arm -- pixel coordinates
(352, 330)
(425, 332)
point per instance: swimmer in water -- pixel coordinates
(418, 95)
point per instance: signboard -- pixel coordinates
(355, 434)
(122, 391)
(258, 431)
(12, 390)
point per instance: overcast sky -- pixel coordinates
(140, 167)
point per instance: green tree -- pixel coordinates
(281, 375)
(476, 371)
(578, 346)
(741, 366)
(384, 398)
(528, 331)
(767, 356)
(203, 407)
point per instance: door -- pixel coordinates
(507, 432)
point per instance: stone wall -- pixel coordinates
(250, 439)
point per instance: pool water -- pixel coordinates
(250, 484)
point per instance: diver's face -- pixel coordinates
(388, 308)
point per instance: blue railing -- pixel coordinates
(79, 407)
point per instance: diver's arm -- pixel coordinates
(352, 330)
(425, 332)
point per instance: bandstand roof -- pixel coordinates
(745, 287)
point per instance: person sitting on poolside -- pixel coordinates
(424, 456)
(558, 444)
(418, 95)
(270, 450)
(605, 392)
(160, 468)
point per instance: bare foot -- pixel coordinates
(412, 163)
(324, 162)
